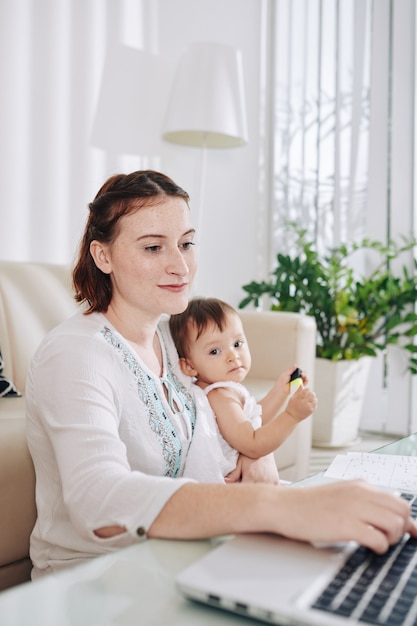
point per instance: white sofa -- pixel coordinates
(36, 297)
(33, 299)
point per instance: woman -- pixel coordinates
(110, 419)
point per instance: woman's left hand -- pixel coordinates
(262, 470)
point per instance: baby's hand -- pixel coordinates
(302, 404)
(283, 381)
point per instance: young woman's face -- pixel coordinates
(220, 355)
(152, 261)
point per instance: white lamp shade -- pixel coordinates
(207, 103)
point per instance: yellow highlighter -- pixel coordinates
(295, 380)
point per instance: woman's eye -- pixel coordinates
(187, 245)
(153, 248)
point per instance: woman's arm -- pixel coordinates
(83, 452)
(340, 511)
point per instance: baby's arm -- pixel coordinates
(273, 402)
(239, 432)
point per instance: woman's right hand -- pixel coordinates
(345, 511)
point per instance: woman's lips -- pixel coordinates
(175, 288)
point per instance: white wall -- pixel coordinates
(52, 55)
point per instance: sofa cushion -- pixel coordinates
(12, 407)
(17, 488)
(7, 388)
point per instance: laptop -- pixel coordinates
(282, 581)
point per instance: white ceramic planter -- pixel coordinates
(340, 387)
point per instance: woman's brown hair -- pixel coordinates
(120, 195)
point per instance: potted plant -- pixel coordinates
(357, 316)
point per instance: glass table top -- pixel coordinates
(407, 446)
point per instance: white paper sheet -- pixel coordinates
(385, 470)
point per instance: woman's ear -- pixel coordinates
(187, 367)
(100, 256)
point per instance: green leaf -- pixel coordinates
(355, 314)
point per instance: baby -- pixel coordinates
(212, 347)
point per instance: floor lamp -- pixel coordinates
(207, 108)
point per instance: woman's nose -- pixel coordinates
(177, 264)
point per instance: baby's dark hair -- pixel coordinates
(201, 313)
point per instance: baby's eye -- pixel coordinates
(239, 344)
(214, 351)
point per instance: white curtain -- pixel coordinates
(52, 54)
(321, 118)
(343, 146)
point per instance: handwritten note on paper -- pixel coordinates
(385, 470)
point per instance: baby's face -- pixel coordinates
(221, 355)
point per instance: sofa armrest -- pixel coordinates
(278, 340)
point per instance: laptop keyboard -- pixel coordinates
(374, 588)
